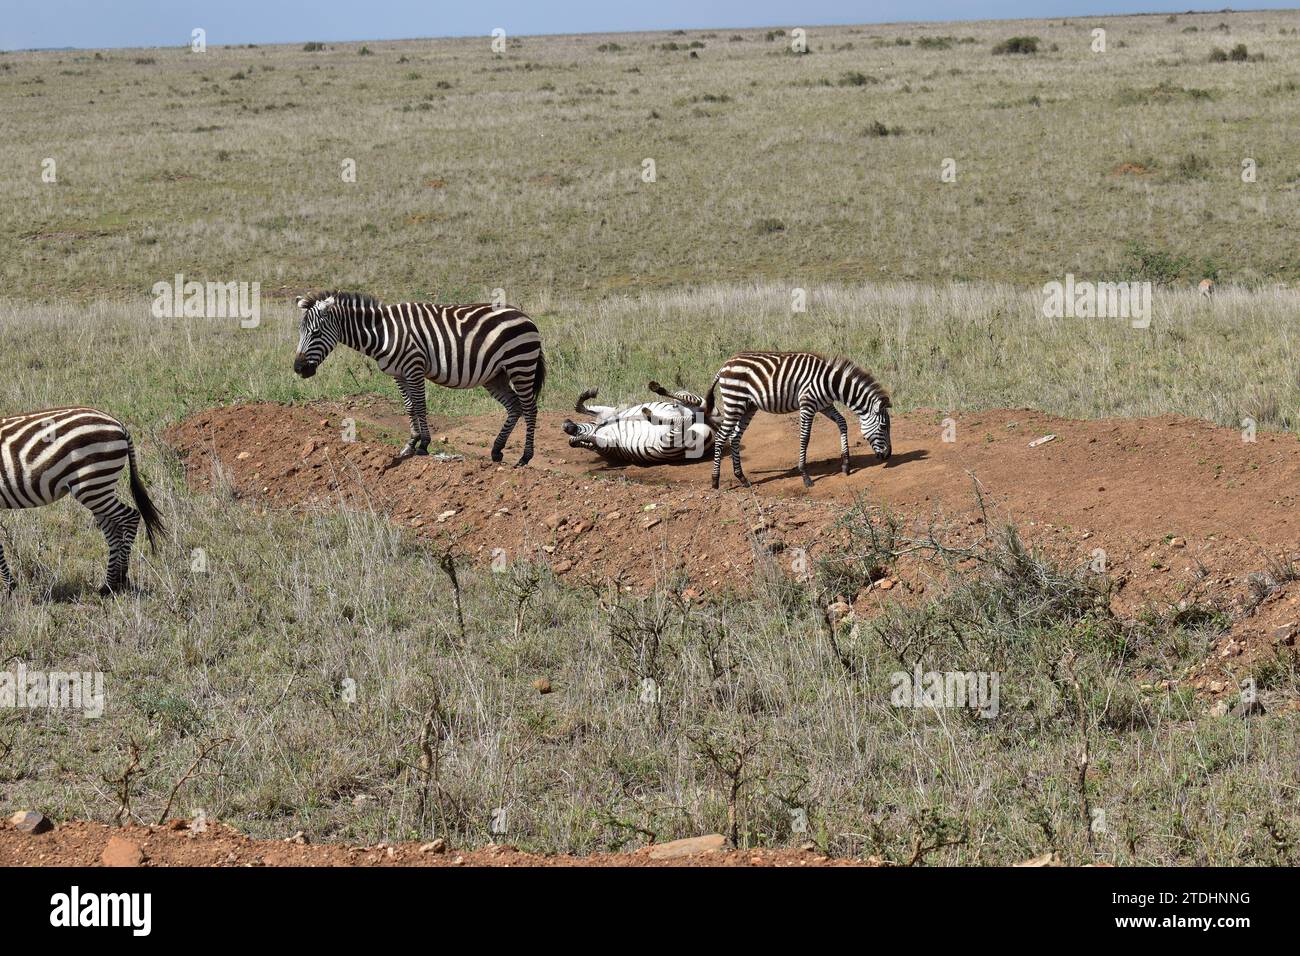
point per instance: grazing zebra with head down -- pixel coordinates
(78, 452)
(651, 433)
(459, 346)
(783, 382)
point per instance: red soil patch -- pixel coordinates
(1180, 507)
(79, 843)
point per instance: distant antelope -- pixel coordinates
(78, 452)
(1207, 288)
(784, 382)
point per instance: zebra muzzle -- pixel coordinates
(303, 367)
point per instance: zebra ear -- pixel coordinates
(304, 302)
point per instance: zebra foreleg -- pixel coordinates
(806, 415)
(831, 412)
(417, 410)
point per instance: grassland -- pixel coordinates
(522, 171)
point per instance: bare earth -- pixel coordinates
(1179, 506)
(79, 843)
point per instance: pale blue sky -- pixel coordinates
(26, 24)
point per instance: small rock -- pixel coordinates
(300, 838)
(1220, 709)
(243, 456)
(29, 821)
(688, 847)
(1217, 686)
(651, 523)
(1051, 858)
(445, 515)
(885, 584)
(542, 685)
(554, 521)
(565, 565)
(308, 448)
(434, 846)
(614, 515)
(121, 852)
(1177, 542)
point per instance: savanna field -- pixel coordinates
(573, 658)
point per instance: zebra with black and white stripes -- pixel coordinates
(458, 346)
(806, 382)
(651, 433)
(80, 452)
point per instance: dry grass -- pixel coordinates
(522, 171)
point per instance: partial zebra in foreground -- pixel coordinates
(459, 346)
(80, 452)
(784, 382)
(651, 433)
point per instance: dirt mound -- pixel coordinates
(78, 843)
(1175, 508)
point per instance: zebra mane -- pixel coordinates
(853, 370)
(353, 299)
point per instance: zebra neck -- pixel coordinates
(362, 329)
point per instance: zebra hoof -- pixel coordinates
(715, 482)
(109, 590)
(497, 455)
(421, 451)
(523, 461)
(807, 482)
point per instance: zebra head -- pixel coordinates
(875, 427)
(581, 434)
(319, 331)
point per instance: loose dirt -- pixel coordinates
(1176, 508)
(78, 843)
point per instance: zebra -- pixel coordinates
(82, 452)
(783, 382)
(651, 433)
(459, 346)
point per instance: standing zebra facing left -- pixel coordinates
(79, 452)
(806, 382)
(459, 346)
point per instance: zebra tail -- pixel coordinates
(153, 523)
(708, 399)
(540, 380)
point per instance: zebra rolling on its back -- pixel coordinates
(81, 452)
(784, 382)
(651, 433)
(459, 346)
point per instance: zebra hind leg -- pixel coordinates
(735, 446)
(119, 523)
(503, 393)
(529, 404)
(5, 575)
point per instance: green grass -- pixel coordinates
(536, 155)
